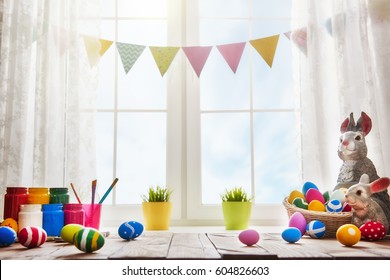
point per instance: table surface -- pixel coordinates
(203, 244)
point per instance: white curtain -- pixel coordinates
(341, 65)
(47, 94)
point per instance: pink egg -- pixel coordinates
(249, 237)
(313, 194)
(298, 221)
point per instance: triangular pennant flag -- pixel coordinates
(232, 54)
(163, 56)
(299, 38)
(288, 35)
(63, 39)
(197, 57)
(266, 47)
(96, 48)
(129, 54)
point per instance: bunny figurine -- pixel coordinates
(364, 206)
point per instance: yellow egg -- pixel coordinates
(348, 234)
(294, 194)
(316, 205)
(10, 222)
(68, 231)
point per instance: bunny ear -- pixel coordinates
(380, 185)
(364, 123)
(348, 124)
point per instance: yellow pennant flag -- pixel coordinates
(266, 47)
(96, 48)
(163, 56)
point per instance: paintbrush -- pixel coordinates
(93, 191)
(75, 193)
(109, 190)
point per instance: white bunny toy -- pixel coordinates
(364, 206)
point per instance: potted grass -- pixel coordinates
(156, 208)
(236, 208)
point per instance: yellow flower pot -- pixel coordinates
(157, 215)
(236, 214)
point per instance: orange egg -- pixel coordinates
(316, 205)
(348, 234)
(10, 222)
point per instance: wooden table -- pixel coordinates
(213, 246)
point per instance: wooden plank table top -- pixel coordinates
(203, 245)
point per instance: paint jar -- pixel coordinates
(53, 219)
(14, 197)
(74, 214)
(38, 196)
(30, 215)
(59, 195)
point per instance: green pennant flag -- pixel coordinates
(129, 54)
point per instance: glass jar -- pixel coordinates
(53, 219)
(30, 215)
(74, 214)
(14, 197)
(38, 196)
(59, 195)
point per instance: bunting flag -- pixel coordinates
(197, 57)
(299, 38)
(129, 54)
(266, 47)
(163, 56)
(96, 48)
(232, 54)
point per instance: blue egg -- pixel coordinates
(130, 230)
(334, 206)
(315, 229)
(308, 185)
(291, 234)
(7, 236)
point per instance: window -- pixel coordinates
(197, 135)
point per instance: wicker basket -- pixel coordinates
(332, 221)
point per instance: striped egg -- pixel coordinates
(130, 230)
(88, 240)
(32, 236)
(315, 229)
(7, 236)
(334, 205)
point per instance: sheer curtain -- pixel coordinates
(341, 66)
(47, 94)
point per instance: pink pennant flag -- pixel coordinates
(232, 54)
(197, 57)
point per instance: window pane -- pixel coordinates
(224, 8)
(105, 150)
(107, 8)
(274, 8)
(273, 87)
(141, 154)
(142, 8)
(275, 151)
(225, 154)
(223, 31)
(143, 32)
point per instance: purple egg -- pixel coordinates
(249, 237)
(298, 221)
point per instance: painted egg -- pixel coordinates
(313, 194)
(373, 231)
(300, 203)
(346, 207)
(307, 186)
(326, 196)
(68, 231)
(88, 240)
(10, 222)
(316, 205)
(339, 195)
(130, 230)
(249, 237)
(315, 229)
(7, 236)
(348, 234)
(298, 221)
(32, 236)
(294, 194)
(291, 234)
(334, 205)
